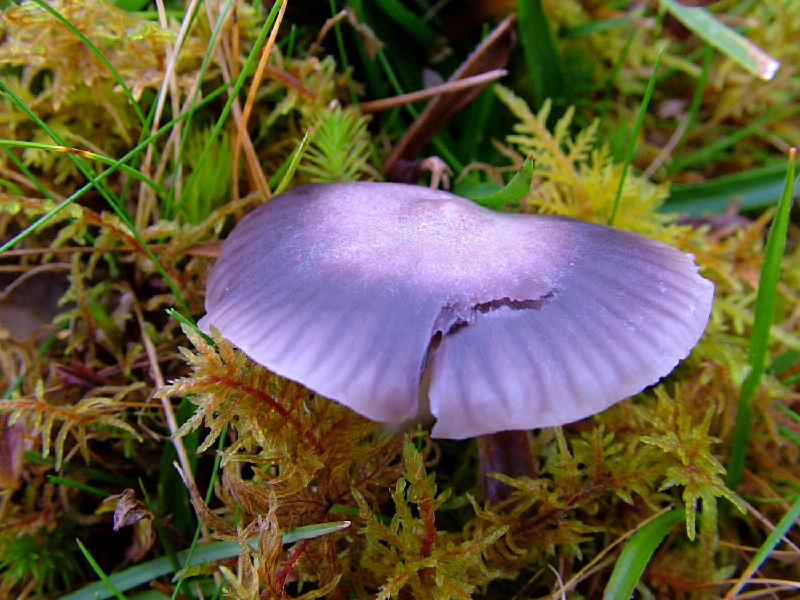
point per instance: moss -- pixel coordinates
(419, 528)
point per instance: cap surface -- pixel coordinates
(542, 320)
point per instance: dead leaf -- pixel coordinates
(29, 304)
(12, 438)
(130, 511)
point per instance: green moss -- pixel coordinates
(288, 457)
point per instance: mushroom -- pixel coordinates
(517, 321)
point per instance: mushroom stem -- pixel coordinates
(506, 452)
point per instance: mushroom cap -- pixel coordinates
(539, 320)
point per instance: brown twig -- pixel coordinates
(436, 90)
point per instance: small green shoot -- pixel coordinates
(513, 191)
(283, 176)
(339, 148)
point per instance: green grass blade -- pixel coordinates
(29, 176)
(78, 485)
(636, 554)
(131, 5)
(788, 412)
(284, 175)
(789, 434)
(718, 149)
(773, 539)
(92, 156)
(105, 580)
(724, 39)
(762, 323)
(751, 190)
(651, 84)
(189, 322)
(412, 25)
(784, 361)
(542, 61)
(125, 580)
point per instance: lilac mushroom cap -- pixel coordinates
(539, 320)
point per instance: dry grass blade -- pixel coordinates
(241, 122)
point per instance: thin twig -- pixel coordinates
(770, 526)
(668, 148)
(436, 90)
(169, 413)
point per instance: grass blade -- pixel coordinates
(234, 94)
(773, 539)
(636, 554)
(542, 60)
(651, 84)
(412, 25)
(136, 174)
(750, 190)
(135, 576)
(724, 39)
(714, 150)
(762, 323)
(105, 580)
